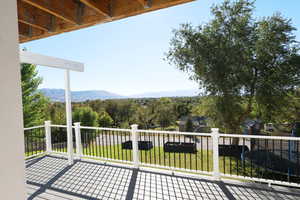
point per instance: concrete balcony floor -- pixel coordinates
(51, 177)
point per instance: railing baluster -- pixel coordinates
(207, 154)
(159, 150)
(243, 157)
(98, 144)
(202, 168)
(135, 147)
(92, 142)
(215, 144)
(251, 160)
(174, 154)
(297, 154)
(89, 142)
(184, 154)
(230, 160)
(118, 145)
(224, 157)
(196, 155)
(191, 154)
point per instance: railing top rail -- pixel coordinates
(177, 133)
(59, 126)
(173, 132)
(34, 127)
(107, 129)
(261, 137)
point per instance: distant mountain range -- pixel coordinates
(78, 96)
(176, 93)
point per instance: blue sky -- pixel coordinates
(126, 56)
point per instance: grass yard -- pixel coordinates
(200, 161)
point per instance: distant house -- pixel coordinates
(199, 122)
(252, 127)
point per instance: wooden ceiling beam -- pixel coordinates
(33, 25)
(100, 6)
(32, 17)
(64, 10)
(24, 31)
(81, 15)
(145, 3)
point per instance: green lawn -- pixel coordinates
(202, 160)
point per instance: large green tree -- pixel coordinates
(145, 116)
(86, 116)
(105, 119)
(56, 112)
(34, 103)
(239, 60)
(164, 113)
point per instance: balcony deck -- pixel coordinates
(51, 177)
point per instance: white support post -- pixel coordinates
(12, 167)
(48, 136)
(78, 140)
(215, 146)
(69, 117)
(135, 146)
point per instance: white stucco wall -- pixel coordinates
(12, 184)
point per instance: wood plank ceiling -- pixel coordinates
(44, 18)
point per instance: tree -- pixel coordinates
(239, 60)
(34, 102)
(182, 109)
(86, 116)
(164, 112)
(105, 119)
(121, 111)
(144, 117)
(189, 127)
(56, 112)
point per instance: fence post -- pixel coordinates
(135, 146)
(48, 136)
(78, 140)
(215, 146)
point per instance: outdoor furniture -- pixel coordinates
(232, 150)
(142, 145)
(180, 147)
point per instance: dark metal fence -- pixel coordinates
(272, 159)
(35, 142)
(59, 139)
(184, 151)
(106, 143)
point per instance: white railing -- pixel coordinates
(203, 153)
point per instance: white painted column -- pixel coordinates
(215, 145)
(135, 146)
(12, 167)
(78, 140)
(48, 136)
(69, 117)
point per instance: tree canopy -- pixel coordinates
(105, 119)
(34, 103)
(239, 60)
(86, 116)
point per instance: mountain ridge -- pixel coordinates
(58, 95)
